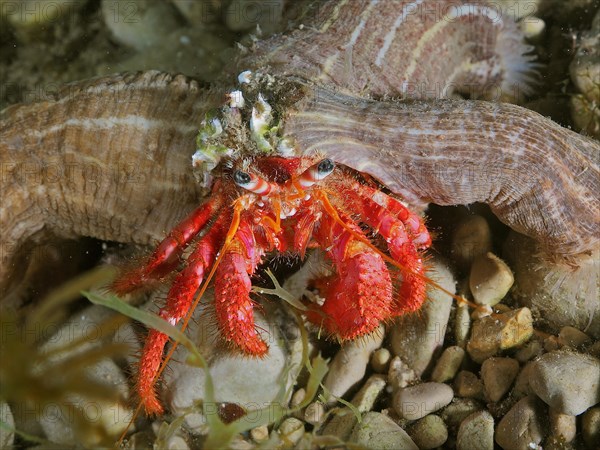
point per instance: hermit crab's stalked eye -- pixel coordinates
(241, 178)
(251, 182)
(325, 167)
(316, 173)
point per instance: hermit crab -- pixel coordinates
(286, 204)
(263, 199)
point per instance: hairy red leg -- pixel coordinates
(233, 305)
(179, 300)
(392, 221)
(166, 256)
(359, 297)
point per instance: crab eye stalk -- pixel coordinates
(316, 172)
(252, 183)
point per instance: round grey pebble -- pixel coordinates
(522, 425)
(498, 375)
(471, 239)
(476, 432)
(380, 360)
(459, 410)
(448, 364)
(568, 382)
(415, 402)
(562, 426)
(379, 431)
(490, 279)
(429, 432)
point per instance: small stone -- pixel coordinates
(428, 432)
(566, 381)
(551, 344)
(291, 429)
(462, 325)
(139, 24)
(459, 410)
(492, 334)
(529, 351)
(7, 436)
(471, 239)
(476, 432)
(380, 360)
(379, 431)
(562, 426)
(590, 426)
(522, 387)
(415, 402)
(490, 279)
(400, 375)
(448, 364)
(572, 337)
(314, 413)
(342, 423)
(350, 364)
(259, 434)
(416, 337)
(498, 375)
(533, 28)
(468, 385)
(522, 426)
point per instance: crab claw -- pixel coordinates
(359, 296)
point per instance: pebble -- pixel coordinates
(490, 279)
(400, 375)
(562, 426)
(498, 375)
(139, 24)
(7, 436)
(380, 360)
(291, 430)
(590, 426)
(341, 424)
(522, 426)
(314, 413)
(429, 432)
(522, 387)
(417, 401)
(448, 364)
(104, 417)
(560, 295)
(459, 410)
(476, 432)
(259, 434)
(572, 337)
(462, 325)
(416, 337)
(468, 385)
(504, 331)
(533, 28)
(379, 431)
(566, 381)
(251, 383)
(471, 239)
(33, 20)
(529, 351)
(350, 364)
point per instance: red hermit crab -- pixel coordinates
(286, 204)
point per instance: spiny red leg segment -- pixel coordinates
(359, 297)
(166, 256)
(233, 305)
(179, 300)
(405, 234)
